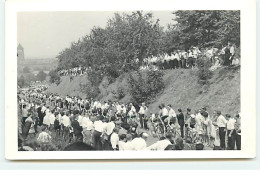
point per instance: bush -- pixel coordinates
(204, 74)
(90, 90)
(144, 86)
(54, 77)
(120, 92)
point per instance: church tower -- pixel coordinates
(20, 53)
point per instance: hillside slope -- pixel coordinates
(182, 90)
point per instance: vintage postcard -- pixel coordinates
(150, 81)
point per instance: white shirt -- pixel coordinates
(110, 127)
(121, 145)
(164, 112)
(118, 109)
(172, 113)
(232, 50)
(138, 144)
(52, 119)
(141, 110)
(46, 120)
(221, 121)
(80, 119)
(128, 146)
(99, 126)
(114, 140)
(231, 124)
(159, 145)
(87, 123)
(65, 120)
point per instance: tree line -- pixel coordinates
(127, 37)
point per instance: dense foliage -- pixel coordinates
(144, 86)
(127, 39)
(204, 74)
(54, 77)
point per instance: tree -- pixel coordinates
(54, 77)
(41, 76)
(21, 81)
(206, 28)
(26, 70)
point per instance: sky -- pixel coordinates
(45, 34)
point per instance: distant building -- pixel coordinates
(20, 53)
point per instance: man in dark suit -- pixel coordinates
(180, 118)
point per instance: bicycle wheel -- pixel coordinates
(159, 131)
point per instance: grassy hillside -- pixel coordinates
(182, 90)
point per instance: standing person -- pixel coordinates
(232, 53)
(108, 130)
(141, 114)
(231, 133)
(238, 131)
(40, 115)
(190, 59)
(184, 59)
(186, 121)
(24, 114)
(180, 60)
(227, 54)
(87, 126)
(180, 118)
(46, 120)
(36, 120)
(98, 130)
(115, 139)
(52, 119)
(27, 125)
(57, 125)
(222, 122)
(77, 129)
(65, 123)
(176, 60)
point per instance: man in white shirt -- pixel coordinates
(87, 126)
(222, 123)
(108, 130)
(65, 122)
(231, 133)
(232, 53)
(114, 139)
(46, 120)
(171, 114)
(165, 112)
(141, 113)
(52, 119)
(238, 131)
(98, 130)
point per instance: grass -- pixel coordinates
(182, 90)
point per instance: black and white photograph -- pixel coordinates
(129, 80)
(167, 80)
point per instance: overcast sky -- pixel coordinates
(45, 34)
